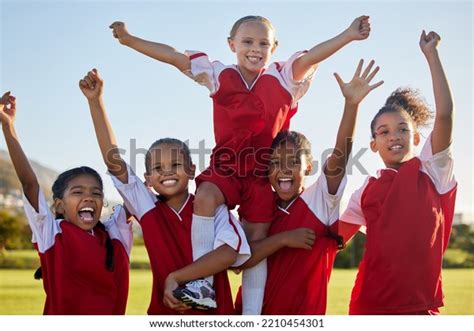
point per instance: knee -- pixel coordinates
(208, 198)
(256, 231)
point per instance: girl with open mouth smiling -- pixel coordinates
(84, 262)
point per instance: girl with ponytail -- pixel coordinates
(408, 207)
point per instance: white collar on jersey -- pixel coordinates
(285, 210)
(234, 66)
(181, 209)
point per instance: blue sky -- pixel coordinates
(46, 47)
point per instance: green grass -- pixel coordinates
(21, 294)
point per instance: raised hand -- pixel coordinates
(359, 28)
(119, 30)
(7, 108)
(300, 238)
(356, 90)
(91, 85)
(429, 42)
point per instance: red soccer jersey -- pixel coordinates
(297, 279)
(247, 118)
(75, 277)
(408, 214)
(167, 237)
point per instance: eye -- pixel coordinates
(274, 162)
(265, 44)
(404, 130)
(293, 162)
(75, 192)
(98, 194)
(382, 133)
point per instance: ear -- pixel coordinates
(416, 138)
(192, 171)
(309, 169)
(58, 206)
(373, 146)
(147, 179)
(231, 43)
(274, 47)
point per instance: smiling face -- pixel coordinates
(288, 167)
(253, 43)
(169, 171)
(82, 201)
(394, 138)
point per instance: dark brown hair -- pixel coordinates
(168, 141)
(300, 141)
(407, 101)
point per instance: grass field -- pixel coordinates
(21, 294)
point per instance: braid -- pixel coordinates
(38, 273)
(109, 256)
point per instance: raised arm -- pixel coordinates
(358, 30)
(354, 92)
(157, 51)
(23, 169)
(92, 86)
(444, 117)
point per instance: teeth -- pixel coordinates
(285, 179)
(87, 209)
(253, 58)
(396, 147)
(169, 182)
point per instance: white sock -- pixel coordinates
(253, 287)
(202, 238)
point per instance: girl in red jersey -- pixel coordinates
(84, 263)
(166, 219)
(408, 208)
(303, 241)
(253, 101)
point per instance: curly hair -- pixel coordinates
(409, 101)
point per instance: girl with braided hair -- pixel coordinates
(84, 262)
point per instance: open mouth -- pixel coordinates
(254, 59)
(169, 182)
(285, 184)
(395, 147)
(86, 214)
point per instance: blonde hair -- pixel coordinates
(250, 18)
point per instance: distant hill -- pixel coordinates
(10, 183)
